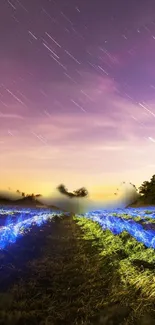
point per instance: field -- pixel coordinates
(93, 269)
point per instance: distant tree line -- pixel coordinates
(146, 192)
(79, 193)
(32, 196)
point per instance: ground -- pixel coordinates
(56, 274)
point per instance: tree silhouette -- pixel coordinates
(147, 190)
(21, 193)
(38, 195)
(144, 188)
(134, 186)
(80, 193)
(31, 196)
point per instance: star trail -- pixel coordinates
(77, 93)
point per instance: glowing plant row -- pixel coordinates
(14, 211)
(11, 231)
(117, 225)
(19, 220)
(140, 212)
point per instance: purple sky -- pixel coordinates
(77, 94)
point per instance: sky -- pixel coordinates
(77, 94)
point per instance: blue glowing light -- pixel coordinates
(17, 222)
(117, 224)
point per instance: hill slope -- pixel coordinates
(23, 202)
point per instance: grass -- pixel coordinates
(128, 269)
(72, 272)
(127, 217)
(137, 218)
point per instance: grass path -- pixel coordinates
(66, 280)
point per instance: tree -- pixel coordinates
(144, 188)
(147, 190)
(133, 185)
(81, 192)
(73, 206)
(63, 190)
(31, 196)
(21, 193)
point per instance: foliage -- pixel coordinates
(128, 270)
(31, 196)
(80, 193)
(147, 191)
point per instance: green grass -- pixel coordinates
(80, 273)
(136, 219)
(148, 212)
(126, 217)
(128, 268)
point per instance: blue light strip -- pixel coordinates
(117, 225)
(14, 229)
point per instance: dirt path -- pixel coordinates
(48, 268)
(62, 283)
